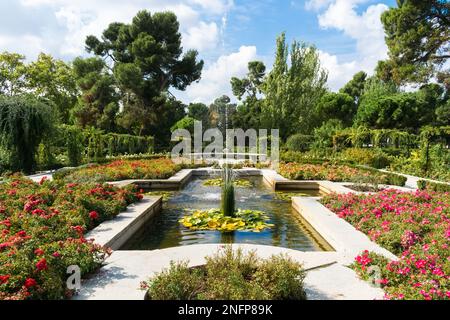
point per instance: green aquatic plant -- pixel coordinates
(166, 195)
(228, 204)
(214, 219)
(218, 182)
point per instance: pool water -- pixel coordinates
(289, 231)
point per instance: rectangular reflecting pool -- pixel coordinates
(289, 230)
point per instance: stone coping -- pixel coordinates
(120, 278)
(115, 232)
(340, 234)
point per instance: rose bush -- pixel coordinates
(337, 173)
(415, 226)
(161, 168)
(42, 230)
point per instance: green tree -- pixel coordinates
(248, 113)
(53, 80)
(200, 112)
(338, 106)
(418, 38)
(355, 87)
(12, 74)
(293, 90)
(147, 61)
(186, 123)
(24, 122)
(97, 105)
(221, 113)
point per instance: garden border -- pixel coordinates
(115, 232)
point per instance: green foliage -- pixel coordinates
(248, 113)
(355, 87)
(200, 112)
(187, 123)
(323, 136)
(228, 202)
(433, 186)
(24, 123)
(299, 142)
(239, 183)
(98, 104)
(215, 219)
(375, 158)
(417, 35)
(12, 74)
(53, 80)
(339, 106)
(230, 275)
(221, 113)
(291, 89)
(147, 60)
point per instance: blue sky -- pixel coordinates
(227, 33)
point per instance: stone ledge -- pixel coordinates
(341, 235)
(120, 278)
(115, 232)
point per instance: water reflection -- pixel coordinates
(165, 231)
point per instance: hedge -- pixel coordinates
(433, 186)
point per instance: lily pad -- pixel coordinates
(240, 183)
(213, 219)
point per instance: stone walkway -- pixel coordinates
(120, 278)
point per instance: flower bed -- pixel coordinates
(338, 173)
(415, 227)
(230, 275)
(161, 168)
(41, 233)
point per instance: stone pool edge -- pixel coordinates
(343, 237)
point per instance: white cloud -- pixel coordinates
(28, 45)
(317, 4)
(216, 77)
(201, 37)
(215, 6)
(366, 29)
(78, 19)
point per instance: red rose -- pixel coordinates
(4, 279)
(93, 215)
(39, 252)
(22, 234)
(56, 254)
(30, 283)
(42, 264)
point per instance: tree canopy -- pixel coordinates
(418, 38)
(292, 90)
(147, 59)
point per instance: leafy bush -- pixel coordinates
(230, 275)
(433, 186)
(337, 173)
(24, 122)
(415, 227)
(371, 157)
(41, 233)
(161, 168)
(299, 142)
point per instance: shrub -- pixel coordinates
(371, 157)
(433, 186)
(337, 173)
(41, 233)
(299, 142)
(161, 168)
(24, 122)
(230, 275)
